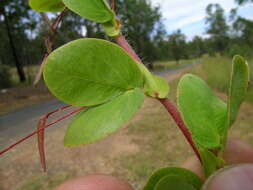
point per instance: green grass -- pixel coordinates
(216, 72)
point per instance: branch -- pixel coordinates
(48, 40)
(41, 135)
(113, 5)
(180, 123)
(121, 41)
(39, 130)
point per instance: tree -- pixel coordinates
(218, 28)
(197, 47)
(177, 43)
(240, 2)
(16, 21)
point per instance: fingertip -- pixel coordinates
(237, 152)
(236, 177)
(95, 182)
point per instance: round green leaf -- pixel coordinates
(203, 112)
(95, 10)
(88, 72)
(47, 5)
(101, 121)
(172, 182)
(184, 174)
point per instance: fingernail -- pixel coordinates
(236, 177)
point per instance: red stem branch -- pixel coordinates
(173, 111)
(121, 41)
(39, 130)
(113, 5)
(48, 40)
(41, 135)
(180, 123)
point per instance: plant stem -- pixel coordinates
(48, 40)
(173, 111)
(121, 41)
(39, 130)
(180, 123)
(113, 5)
(41, 135)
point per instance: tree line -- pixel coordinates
(22, 32)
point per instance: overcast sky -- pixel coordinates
(189, 15)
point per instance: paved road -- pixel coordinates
(16, 124)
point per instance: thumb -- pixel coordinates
(236, 177)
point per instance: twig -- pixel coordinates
(48, 40)
(37, 131)
(41, 135)
(121, 40)
(113, 5)
(180, 123)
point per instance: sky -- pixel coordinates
(189, 15)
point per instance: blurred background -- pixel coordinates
(172, 37)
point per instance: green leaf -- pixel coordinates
(95, 10)
(184, 174)
(154, 86)
(172, 182)
(238, 87)
(100, 121)
(47, 5)
(203, 112)
(209, 161)
(88, 72)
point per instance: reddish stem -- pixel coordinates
(48, 41)
(39, 130)
(113, 5)
(125, 45)
(121, 41)
(41, 135)
(180, 123)
(41, 143)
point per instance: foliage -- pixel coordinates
(5, 76)
(46, 5)
(218, 28)
(240, 2)
(184, 175)
(177, 42)
(209, 118)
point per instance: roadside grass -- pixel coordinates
(159, 65)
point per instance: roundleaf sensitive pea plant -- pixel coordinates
(108, 82)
